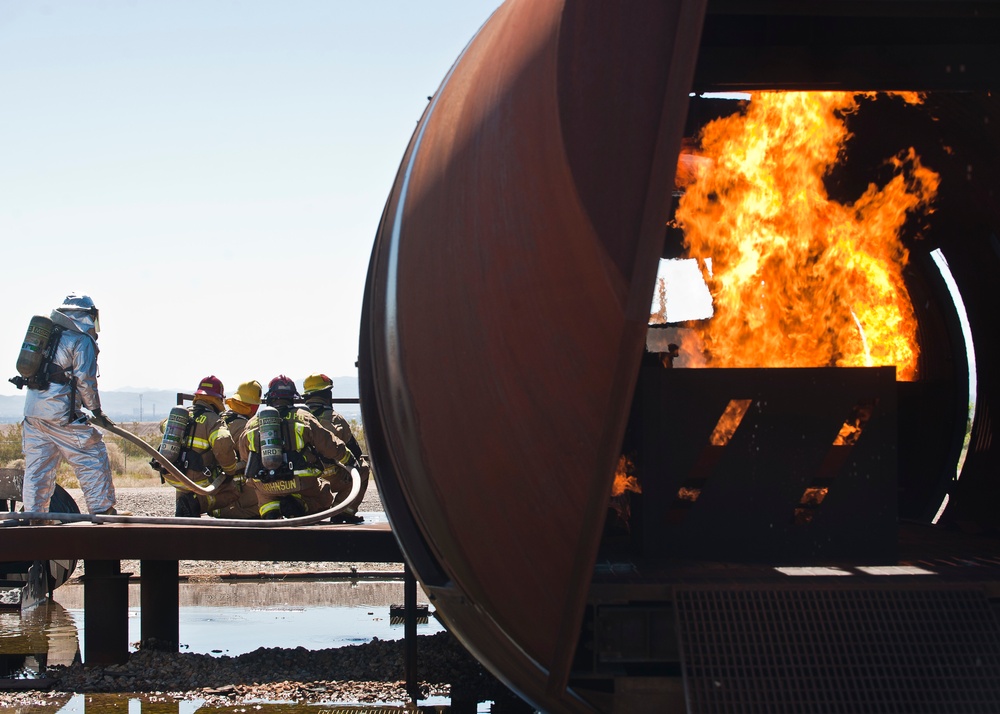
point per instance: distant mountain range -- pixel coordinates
(149, 405)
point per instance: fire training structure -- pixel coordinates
(780, 536)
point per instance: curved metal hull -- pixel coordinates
(506, 310)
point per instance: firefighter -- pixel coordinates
(317, 391)
(208, 452)
(286, 449)
(54, 428)
(240, 407)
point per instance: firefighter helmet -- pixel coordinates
(76, 301)
(248, 392)
(281, 387)
(84, 304)
(211, 386)
(316, 383)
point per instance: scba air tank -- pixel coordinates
(36, 342)
(271, 445)
(172, 443)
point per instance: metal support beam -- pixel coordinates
(410, 632)
(105, 612)
(159, 602)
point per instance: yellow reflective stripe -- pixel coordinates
(269, 506)
(198, 443)
(300, 441)
(310, 471)
(251, 439)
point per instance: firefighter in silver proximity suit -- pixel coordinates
(55, 428)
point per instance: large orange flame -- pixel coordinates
(798, 279)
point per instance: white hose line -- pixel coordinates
(307, 520)
(163, 460)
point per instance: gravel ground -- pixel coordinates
(371, 673)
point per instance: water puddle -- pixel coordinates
(221, 619)
(41, 637)
(233, 618)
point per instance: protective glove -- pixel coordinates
(100, 419)
(157, 466)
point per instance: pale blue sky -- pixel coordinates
(211, 172)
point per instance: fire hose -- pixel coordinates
(179, 475)
(306, 520)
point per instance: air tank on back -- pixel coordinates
(33, 348)
(271, 449)
(172, 443)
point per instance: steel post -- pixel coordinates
(105, 612)
(159, 602)
(410, 632)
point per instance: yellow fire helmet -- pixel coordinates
(249, 392)
(316, 383)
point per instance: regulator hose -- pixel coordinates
(179, 475)
(306, 520)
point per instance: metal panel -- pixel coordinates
(507, 303)
(776, 485)
(852, 44)
(366, 543)
(900, 649)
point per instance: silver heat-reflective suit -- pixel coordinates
(55, 428)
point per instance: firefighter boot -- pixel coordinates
(187, 505)
(292, 507)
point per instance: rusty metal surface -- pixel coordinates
(372, 543)
(507, 303)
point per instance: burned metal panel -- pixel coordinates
(805, 470)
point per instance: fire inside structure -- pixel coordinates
(823, 390)
(783, 499)
(819, 237)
